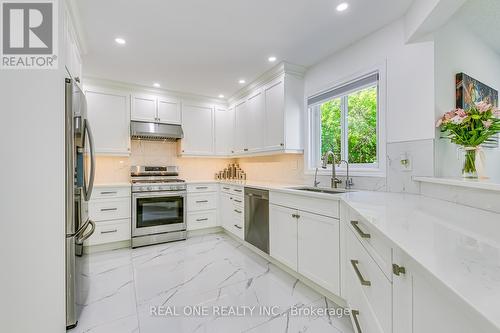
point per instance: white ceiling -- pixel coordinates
(482, 18)
(205, 46)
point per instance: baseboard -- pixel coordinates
(126, 244)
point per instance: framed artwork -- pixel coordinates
(470, 91)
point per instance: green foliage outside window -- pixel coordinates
(361, 124)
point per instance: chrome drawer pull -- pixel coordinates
(108, 209)
(236, 190)
(202, 187)
(202, 201)
(237, 226)
(225, 188)
(109, 231)
(109, 192)
(236, 200)
(360, 232)
(199, 220)
(364, 282)
(355, 314)
(238, 211)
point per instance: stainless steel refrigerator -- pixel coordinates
(80, 171)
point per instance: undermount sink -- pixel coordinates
(321, 189)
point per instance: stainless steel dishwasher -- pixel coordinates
(257, 218)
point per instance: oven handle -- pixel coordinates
(182, 194)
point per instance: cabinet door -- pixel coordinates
(169, 110)
(224, 129)
(108, 114)
(144, 108)
(197, 123)
(319, 250)
(283, 235)
(274, 96)
(256, 122)
(226, 210)
(240, 127)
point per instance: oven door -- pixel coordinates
(158, 212)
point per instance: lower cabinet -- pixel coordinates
(307, 243)
(201, 206)
(232, 211)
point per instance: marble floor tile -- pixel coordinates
(139, 290)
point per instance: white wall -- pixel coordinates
(457, 50)
(410, 79)
(32, 279)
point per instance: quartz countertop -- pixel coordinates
(120, 184)
(458, 245)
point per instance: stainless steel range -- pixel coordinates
(158, 205)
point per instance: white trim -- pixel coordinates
(311, 142)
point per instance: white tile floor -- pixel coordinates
(209, 271)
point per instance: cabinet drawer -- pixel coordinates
(373, 242)
(109, 209)
(201, 220)
(109, 232)
(325, 207)
(369, 278)
(238, 202)
(110, 192)
(201, 188)
(238, 190)
(201, 201)
(237, 222)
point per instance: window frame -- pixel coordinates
(313, 130)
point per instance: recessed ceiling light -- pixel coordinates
(120, 41)
(343, 6)
(242, 81)
(271, 59)
(221, 96)
(156, 84)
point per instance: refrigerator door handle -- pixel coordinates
(84, 237)
(88, 189)
(80, 230)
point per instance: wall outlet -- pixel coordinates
(405, 162)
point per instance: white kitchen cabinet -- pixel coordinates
(240, 127)
(318, 250)
(274, 95)
(73, 60)
(198, 127)
(108, 113)
(283, 235)
(255, 122)
(224, 130)
(143, 108)
(169, 110)
(226, 210)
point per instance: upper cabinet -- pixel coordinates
(198, 127)
(274, 99)
(72, 56)
(224, 131)
(108, 112)
(153, 108)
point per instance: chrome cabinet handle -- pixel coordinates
(225, 188)
(236, 200)
(296, 216)
(237, 226)
(109, 231)
(398, 270)
(238, 211)
(236, 190)
(108, 209)
(204, 219)
(202, 201)
(360, 232)
(362, 280)
(355, 314)
(108, 192)
(202, 187)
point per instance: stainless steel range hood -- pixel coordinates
(154, 131)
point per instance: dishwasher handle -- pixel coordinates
(258, 194)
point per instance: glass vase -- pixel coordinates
(469, 168)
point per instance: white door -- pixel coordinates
(226, 210)
(274, 97)
(198, 127)
(169, 110)
(240, 127)
(224, 129)
(319, 250)
(144, 108)
(108, 114)
(256, 122)
(283, 235)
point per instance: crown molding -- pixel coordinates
(278, 70)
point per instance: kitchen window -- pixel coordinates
(347, 120)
